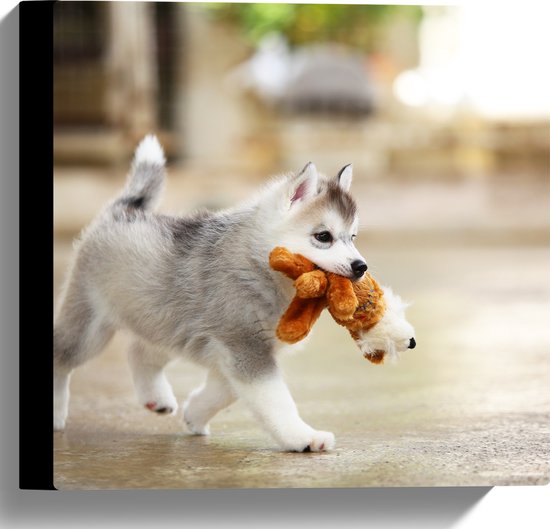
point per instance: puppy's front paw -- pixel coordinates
(320, 442)
(313, 441)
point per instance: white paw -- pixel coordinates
(58, 424)
(161, 401)
(162, 406)
(195, 424)
(155, 394)
(60, 401)
(312, 441)
(60, 412)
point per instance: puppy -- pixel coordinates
(200, 286)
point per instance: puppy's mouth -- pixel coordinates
(376, 357)
(353, 278)
(344, 271)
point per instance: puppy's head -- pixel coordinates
(321, 221)
(392, 335)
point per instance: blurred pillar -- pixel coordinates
(214, 120)
(133, 80)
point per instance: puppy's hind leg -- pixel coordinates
(207, 400)
(79, 334)
(153, 390)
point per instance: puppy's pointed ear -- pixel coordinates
(344, 177)
(304, 186)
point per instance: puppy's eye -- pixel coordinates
(323, 236)
(353, 237)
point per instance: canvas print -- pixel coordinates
(300, 246)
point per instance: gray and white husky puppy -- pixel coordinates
(200, 286)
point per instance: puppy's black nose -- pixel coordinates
(412, 343)
(358, 268)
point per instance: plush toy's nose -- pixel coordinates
(412, 343)
(358, 268)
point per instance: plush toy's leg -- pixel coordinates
(207, 400)
(341, 298)
(311, 284)
(152, 388)
(299, 318)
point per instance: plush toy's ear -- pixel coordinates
(344, 177)
(304, 186)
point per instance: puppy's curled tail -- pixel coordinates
(146, 178)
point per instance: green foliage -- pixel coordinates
(355, 25)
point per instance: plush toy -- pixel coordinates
(375, 321)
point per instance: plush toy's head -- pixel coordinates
(391, 335)
(369, 303)
(378, 324)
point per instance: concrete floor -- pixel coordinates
(469, 406)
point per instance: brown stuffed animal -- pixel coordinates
(355, 305)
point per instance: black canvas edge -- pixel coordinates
(36, 258)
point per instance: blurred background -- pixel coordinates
(438, 108)
(444, 113)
